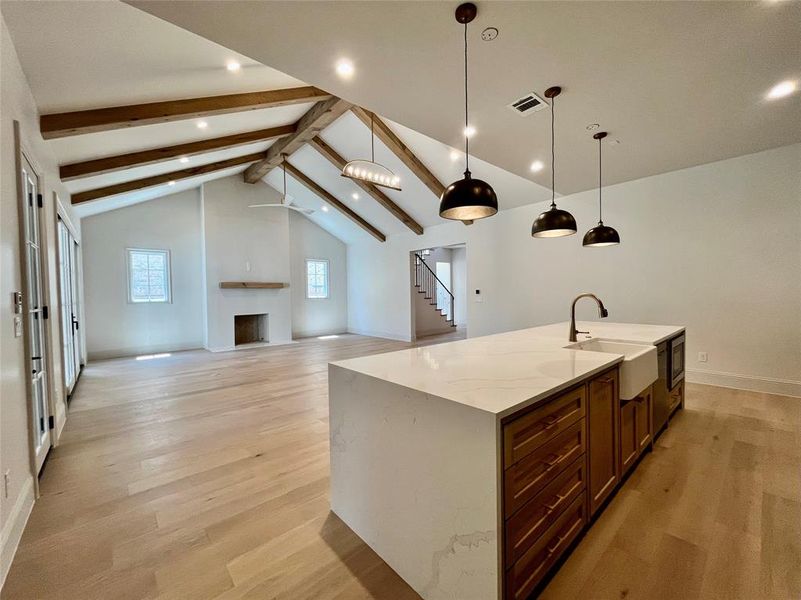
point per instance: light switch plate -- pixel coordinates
(17, 326)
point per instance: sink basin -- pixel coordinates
(638, 369)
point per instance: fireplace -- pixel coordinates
(251, 329)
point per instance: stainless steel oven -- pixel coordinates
(676, 354)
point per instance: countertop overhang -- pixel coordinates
(505, 372)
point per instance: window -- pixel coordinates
(316, 278)
(148, 275)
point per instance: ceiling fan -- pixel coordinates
(286, 200)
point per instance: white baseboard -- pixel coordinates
(13, 528)
(140, 351)
(381, 334)
(251, 346)
(767, 385)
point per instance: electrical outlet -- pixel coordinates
(702, 357)
(6, 482)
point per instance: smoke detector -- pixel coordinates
(528, 104)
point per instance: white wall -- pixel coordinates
(238, 238)
(17, 104)
(116, 327)
(715, 247)
(459, 277)
(316, 316)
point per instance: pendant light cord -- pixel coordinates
(466, 137)
(553, 154)
(600, 187)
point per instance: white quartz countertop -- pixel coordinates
(505, 372)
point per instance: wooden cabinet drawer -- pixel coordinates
(531, 521)
(525, 434)
(527, 477)
(535, 563)
(675, 396)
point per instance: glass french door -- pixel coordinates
(70, 305)
(35, 314)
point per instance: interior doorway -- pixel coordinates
(35, 311)
(69, 291)
(439, 290)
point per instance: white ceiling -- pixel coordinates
(108, 53)
(678, 83)
(88, 54)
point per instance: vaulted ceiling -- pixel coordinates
(109, 54)
(677, 84)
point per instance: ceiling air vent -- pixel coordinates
(530, 103)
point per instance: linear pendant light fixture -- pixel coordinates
(554, 222)
(467, 199)
(369, 170)
(600, 235)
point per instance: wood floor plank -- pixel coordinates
(205, 475)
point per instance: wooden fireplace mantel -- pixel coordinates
(252, 285)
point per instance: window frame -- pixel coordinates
(167, 279)
(327, 278)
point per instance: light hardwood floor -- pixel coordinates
(206, 476)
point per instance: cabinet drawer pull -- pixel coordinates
(552, 506)
(555, 547)
(551, 422)
(605, 379)
(551, 462)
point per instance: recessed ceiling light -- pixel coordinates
(537, 165)
(325, 208)
(345, 68)
(233, 66)
(183, 159)
(469, 131)
(454, 155)
(202, 124)
(171, 183)
(780, 90)
(355, 196)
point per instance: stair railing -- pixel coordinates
(426, 281)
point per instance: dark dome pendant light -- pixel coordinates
(600, 235)
(467, 199)
(554, 222)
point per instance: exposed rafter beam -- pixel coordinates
(402, 151)
(136, 184)
(333, 201)
(315, 120)
(118, 117)
(335, 159)
(110, 164)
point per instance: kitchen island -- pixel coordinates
(471, 466)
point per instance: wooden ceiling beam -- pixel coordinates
(317, 118)
(146, 182)
(316, 189)
(119, 117)
(402, 151)
(335, 159)
(109, 164)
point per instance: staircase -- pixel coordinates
(435, 294)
